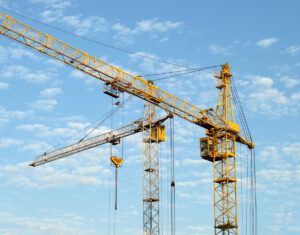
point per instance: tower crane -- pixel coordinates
(219, 147)
(155, 128)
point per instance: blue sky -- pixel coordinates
(44, 103)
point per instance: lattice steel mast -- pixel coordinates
(222, 152)
(151, 139)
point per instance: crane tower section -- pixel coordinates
(151, 139)
(219, 148)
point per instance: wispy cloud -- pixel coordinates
(293, 50)
(9, 115)
(50, 92)
(265, 98)
(290, 82)
(19, 71)
(222, 50)
(151, 26)
(267, 42)
(4, 85)
(9, 142)
(45, 104)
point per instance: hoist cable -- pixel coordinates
(107, 116)
(251, 203)
(240, 110)
(179, 74)
(172, 176)
(180, 71)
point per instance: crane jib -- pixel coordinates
(86, 63)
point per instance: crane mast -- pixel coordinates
(219, 147)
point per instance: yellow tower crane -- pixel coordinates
(223, 133)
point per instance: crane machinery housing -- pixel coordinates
(219, 147)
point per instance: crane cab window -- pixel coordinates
(111, 90)
(206, 147)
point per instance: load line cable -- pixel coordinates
(107, 116)
(179, 74)
(97, 42)
(172, 177)
(99, 122)
(238, 106)
(180, 71)
(252, 183)
(242, 111)
(251, 171)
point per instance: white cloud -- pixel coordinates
(89, 168)
(216, 49)
(8, 142)
(263, 81)
(77, 74)
(293, 50)
(8, 115)
(15, 53)
(151, 26)
(50, 92)
(19, 53)
(62, 224)
(296, 96)
(203, 228)
(3, 54)
(19, 71)
(56, 4)
(289, 82)
(69, 129)
(192, 162)
(262, 96)
(36, 147)
(45, 105)
(189, 184)
(267, 42)
(4, 85)
(84, 26)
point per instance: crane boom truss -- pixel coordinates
(80, 60)
(109, 74)
(108, 137)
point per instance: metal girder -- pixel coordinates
(88, 64)
(108, 137)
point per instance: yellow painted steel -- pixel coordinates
(151, 225)
(224, 160)
(221, 129)
(109, 74)
(113, 136)
(81, 60)
(117, 161)
(159, 133)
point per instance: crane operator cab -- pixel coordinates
(111, 90)
(158, 134)
(206, 148)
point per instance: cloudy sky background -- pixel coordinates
(45, 103)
